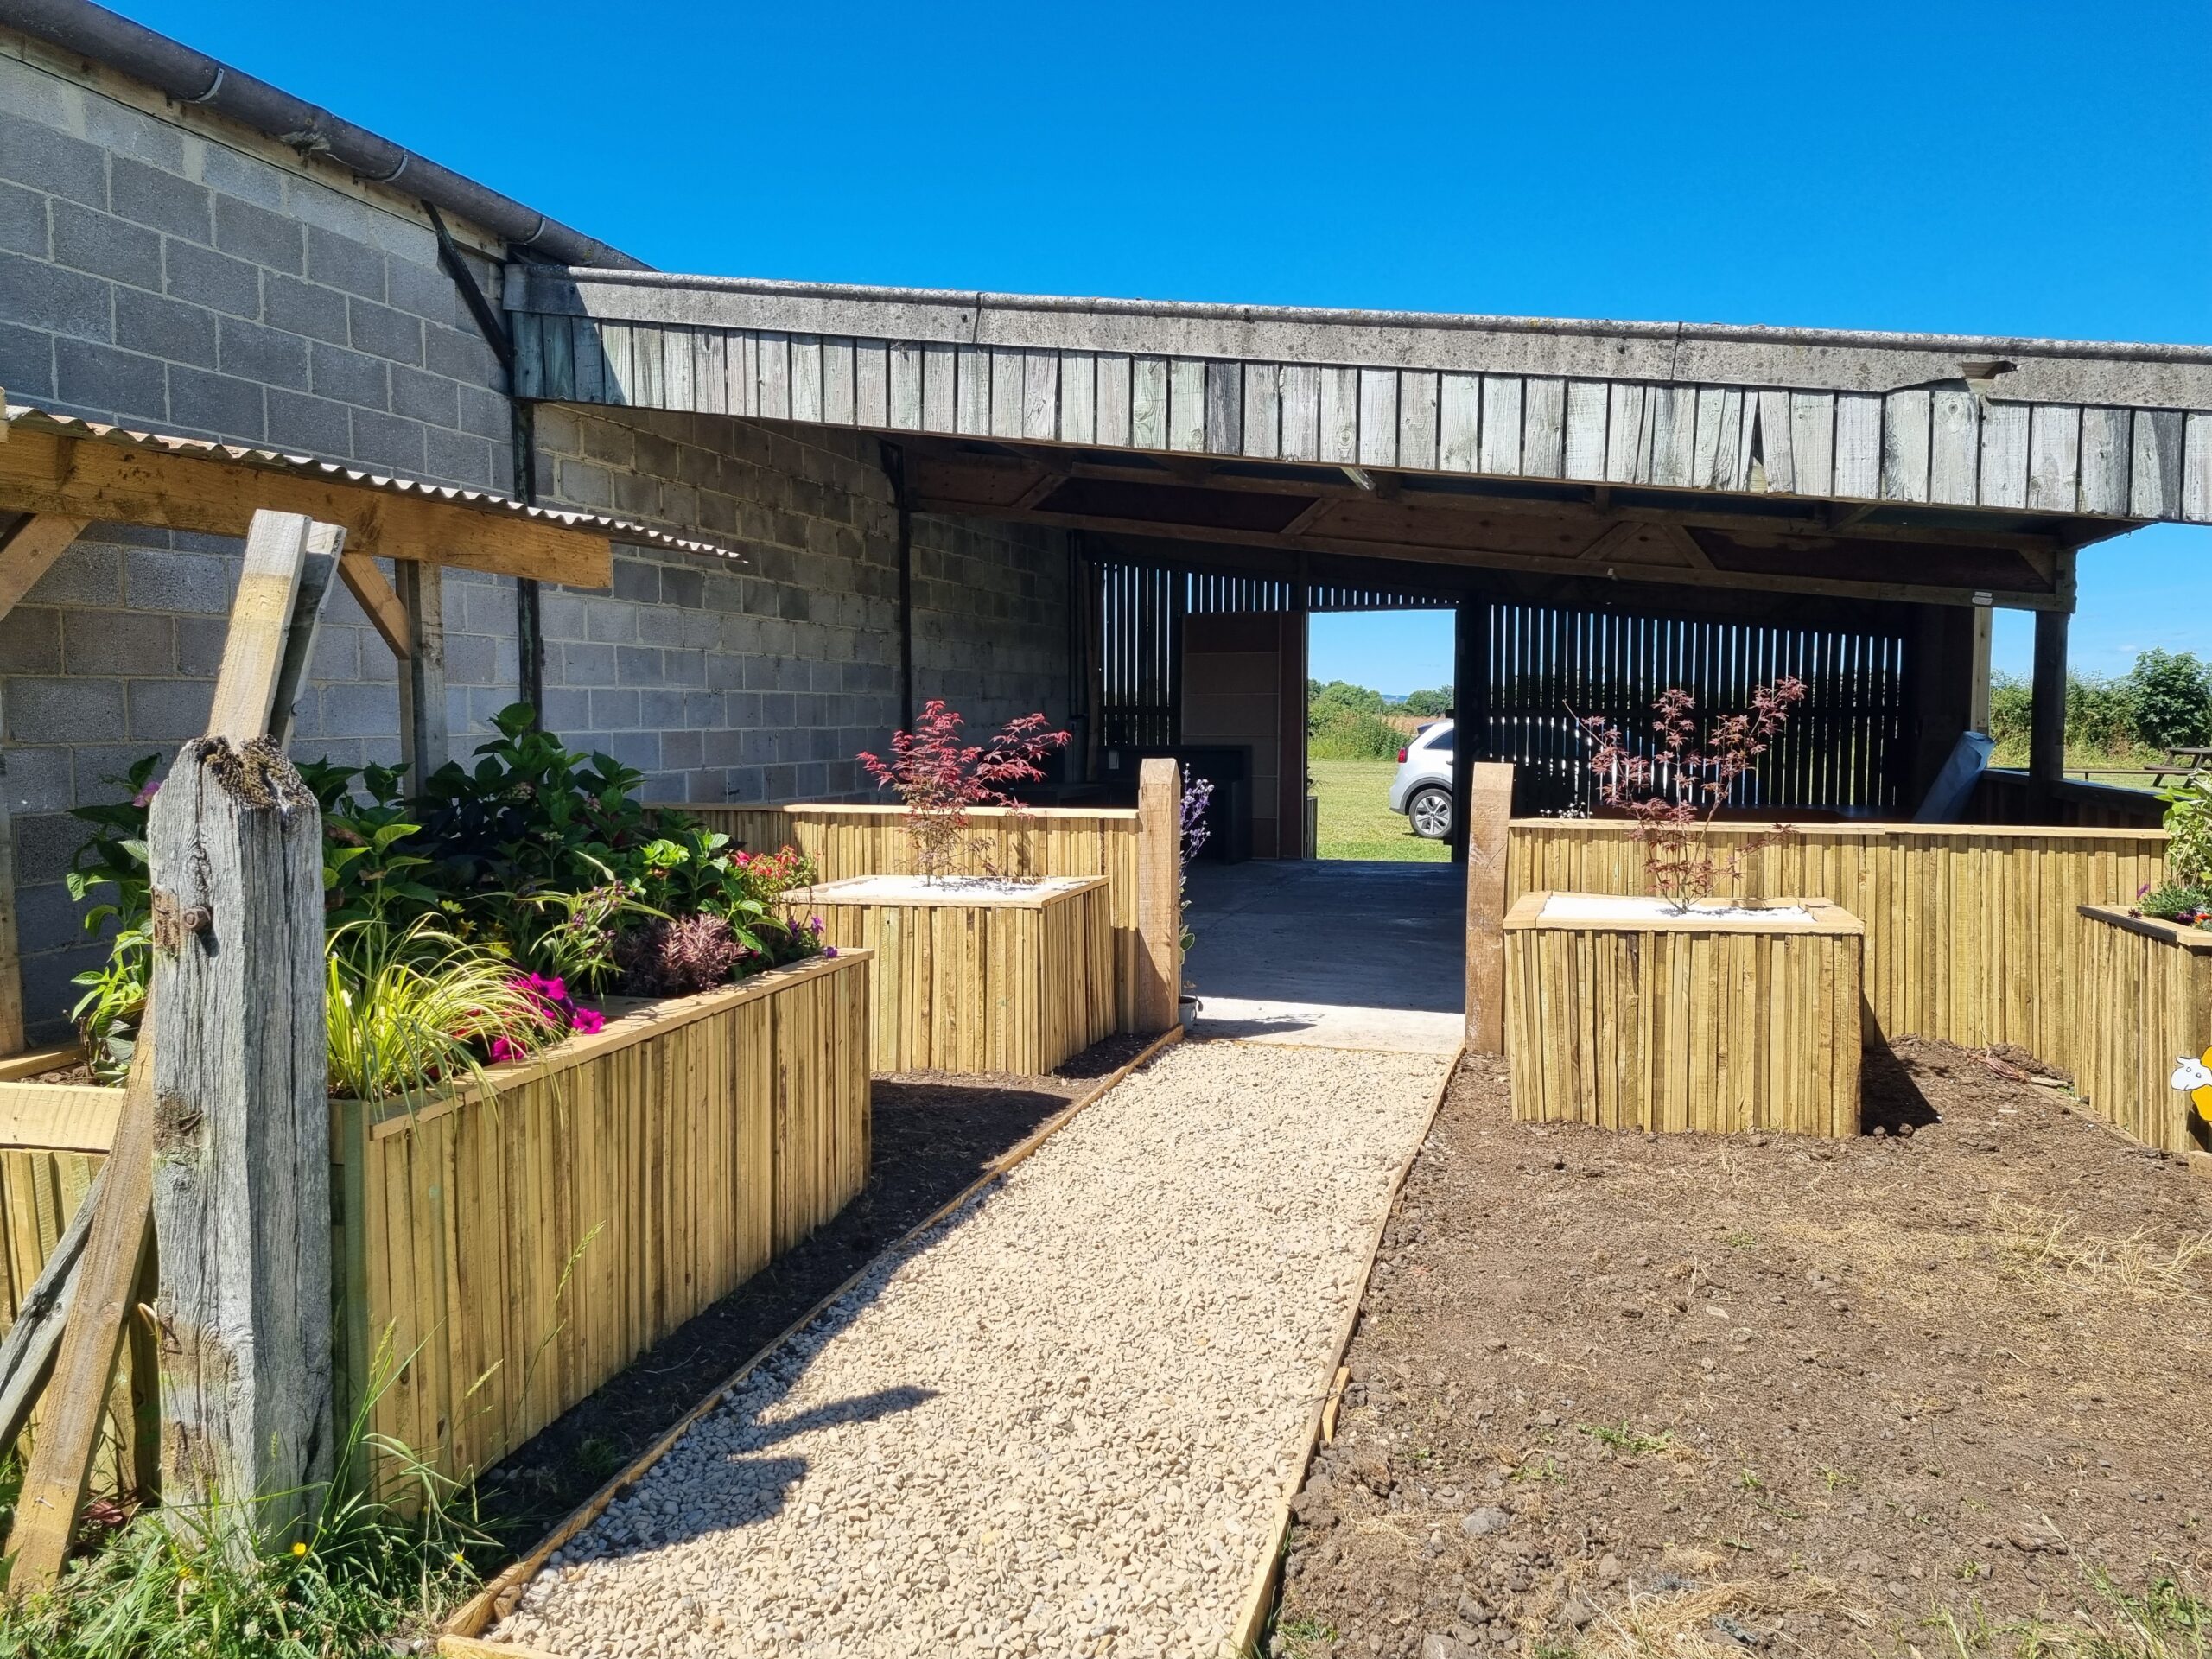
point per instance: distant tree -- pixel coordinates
(1341, 694)
(2172, 694)
(1430, 703)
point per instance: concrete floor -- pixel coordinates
(1332, 955)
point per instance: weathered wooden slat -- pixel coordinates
(1008, 374)
(1628, 433)
(647, 379)
(1262, 414)
(1041, 394)
(1731, 450)
(773, 354)
(590, 360)
(1584, 448)
(710, 373)
(1674, 435)
(2196, 468)
(1501, 426)
(1812, 443)
(1459, 423)
(1418, 393)
(940, 389)
(1078, 397)
(1378, 417)
(1859, 446)
(1224, 396)
(2004, 456)
(1543, 427)
(1954, 446)
(554, 356)
(1186, 405)
(1906, 425)
(1775, 433)
(1340, 415)
(617, 363)
(837, 381)
(907, 368)
(806, 377)
(531, 377)
(1301, 385)
(2104, 461)
(2154, 484)
(972, 407)
(1148, 403)
(1114, 395)
(871, 382)
(679, 353)
(2054, 458)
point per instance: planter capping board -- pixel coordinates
(1664, 1022)
(2149, 984)
(971, 978)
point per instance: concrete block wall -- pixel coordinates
(161, 267)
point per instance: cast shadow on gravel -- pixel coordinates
(1889, 1098)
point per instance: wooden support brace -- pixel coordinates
(386, 615)
(28, 549)
(108, 1277)
(423, 734)
(1490, 815)
(1159, 883)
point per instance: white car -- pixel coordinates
(1422, 788)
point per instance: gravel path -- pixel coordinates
(1058, 1425)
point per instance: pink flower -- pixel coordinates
(503, 1051)
(144, 798)
(585, 1021)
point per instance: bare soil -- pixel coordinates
(1945, 1387)
(934, 1131)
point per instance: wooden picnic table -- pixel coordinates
(2181, 759)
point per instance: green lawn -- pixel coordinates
(1355, 817)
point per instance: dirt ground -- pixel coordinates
(1942, 1389)
(934, 1131)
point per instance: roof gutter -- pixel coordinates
(193, 77)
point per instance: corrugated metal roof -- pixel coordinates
(31, 418)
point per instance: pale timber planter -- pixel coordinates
(977, 975)
(502, 1252)
(2146, 989)
(1623, 1014)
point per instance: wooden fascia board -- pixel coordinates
(82, 477)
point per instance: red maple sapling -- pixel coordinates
(1674, 792)
(939, 778)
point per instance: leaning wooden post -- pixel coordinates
(1159, 893)
(242, 1133)
(1489, 814)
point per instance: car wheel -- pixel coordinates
(1430, 812)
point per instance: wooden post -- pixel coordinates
(242, 1176)
(1985, 631)
(423, 745)
(1469, 709)
(2047, 727)
(1160, 892)
(1489, 816)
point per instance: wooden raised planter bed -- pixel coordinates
(1633, 1018)
(2149, 984)
(974, 975)
(509, 1249)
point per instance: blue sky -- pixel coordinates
(2019, 168)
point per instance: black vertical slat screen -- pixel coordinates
(1839, 752)
(1842, 750)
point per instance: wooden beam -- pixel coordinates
(1985, 631)
(28, 549)
(106, 1292)
(2047, 720)
(1489, 813)
(90, 479)
(326, 542)
(422, 736)
(261, 616)
(1160, 892)
(1609, 540)
(358, 571)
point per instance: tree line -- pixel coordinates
(1351, 722)
(2165, 700)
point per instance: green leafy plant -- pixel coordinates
(2188, 828)
(106, 1016)
(2186, 902)
(410, 1009)
(370, 1566)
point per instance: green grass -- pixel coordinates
(1355, 815)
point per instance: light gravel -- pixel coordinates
(1058, 1424)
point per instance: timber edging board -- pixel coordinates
(1664, 1022)
(459, 1636)
(2146, 989)
(972, 976)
